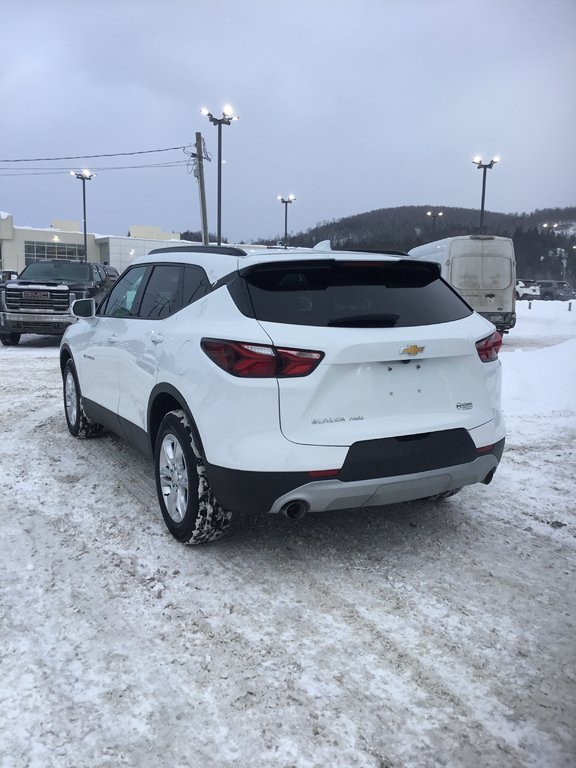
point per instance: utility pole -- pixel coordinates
(199, 173)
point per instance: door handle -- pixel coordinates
(113, 339)
(157, 338)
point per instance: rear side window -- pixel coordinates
(350, 294)
(163, 294)
(196, 284)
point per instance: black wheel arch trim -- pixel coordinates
(65, 355)
(153, 422)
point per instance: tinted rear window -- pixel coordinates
(348, 294)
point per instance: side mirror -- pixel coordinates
(83, 308)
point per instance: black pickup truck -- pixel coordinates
(39, 299)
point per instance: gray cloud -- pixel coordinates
(351, 106)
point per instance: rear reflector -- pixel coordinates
(489, 347)
(485, 449)
(260, 361)
(324, 473)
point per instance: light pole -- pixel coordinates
(286, 201)
(484, 166)
(84, 176)
(434, 216)
(227, 117)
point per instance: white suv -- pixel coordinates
(527, 289)
(287, 381)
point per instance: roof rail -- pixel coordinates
(223, 249)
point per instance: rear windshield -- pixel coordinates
(345, 294)
(64, 271)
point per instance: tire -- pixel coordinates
(11, 340)
(79, 425)
(189, 508)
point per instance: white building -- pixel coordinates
(65, 240)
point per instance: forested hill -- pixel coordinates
(540, 250)
(405, 227)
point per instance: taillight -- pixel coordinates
(489, 347)
(260, 361)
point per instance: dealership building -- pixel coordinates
(20, 246)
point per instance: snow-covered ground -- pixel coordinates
(413, 636)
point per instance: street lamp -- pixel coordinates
(550, 228)
(84, 176)
(484, 166)
(227, 117)
(286, 201)
(434, 216)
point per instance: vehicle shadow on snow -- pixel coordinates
(395, 527)
(388, 528)
(32, 341)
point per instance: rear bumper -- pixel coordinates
(257, 492)
(23, 322)
(504, 320)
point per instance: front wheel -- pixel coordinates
(79, 425)
(189, 508)
(10, 340)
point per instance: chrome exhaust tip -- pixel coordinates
(295, 510)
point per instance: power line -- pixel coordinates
(89, 157)
(62, 171)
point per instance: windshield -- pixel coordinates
(60, 271)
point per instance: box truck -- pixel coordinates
(482, 268)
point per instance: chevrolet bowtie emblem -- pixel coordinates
(413, 349)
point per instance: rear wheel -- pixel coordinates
(10, 340)
(79, 425)
(189, 508)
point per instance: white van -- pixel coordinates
(482, 268)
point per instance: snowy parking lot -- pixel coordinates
(412, 636)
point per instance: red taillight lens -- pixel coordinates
(489, 347)
(260, 361)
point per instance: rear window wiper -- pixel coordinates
(365, 321)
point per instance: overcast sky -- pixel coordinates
(351, 105)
